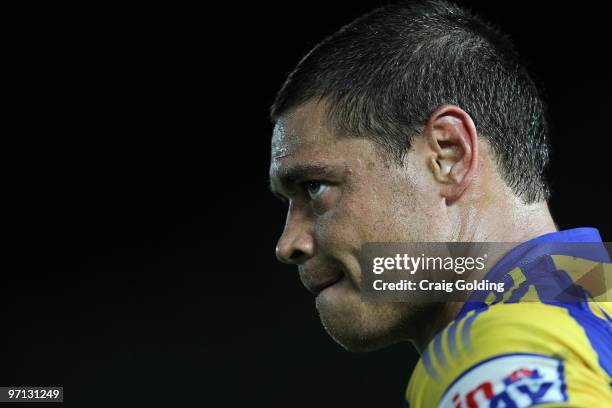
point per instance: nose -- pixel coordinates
(296, 244)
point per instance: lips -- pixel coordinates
(319, 288)
(316, 283)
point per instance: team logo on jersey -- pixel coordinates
(508, 381)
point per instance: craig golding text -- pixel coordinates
(425, 285)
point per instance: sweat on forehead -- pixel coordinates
(302, 126)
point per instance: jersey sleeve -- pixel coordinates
(512, 355)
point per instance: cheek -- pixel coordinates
(358, 218)
(385, 209)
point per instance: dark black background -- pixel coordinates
(138, 232)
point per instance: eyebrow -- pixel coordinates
(291, 175)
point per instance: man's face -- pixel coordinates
(342, 192)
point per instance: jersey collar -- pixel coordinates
(552, 243)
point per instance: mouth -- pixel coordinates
(318, 288)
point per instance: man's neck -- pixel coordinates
(513, 224)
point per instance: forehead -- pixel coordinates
(303, 132)
(304, 142)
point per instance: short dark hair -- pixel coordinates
(386, 72)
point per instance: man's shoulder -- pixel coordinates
(500, 342)
(563, 330)
(525, 327)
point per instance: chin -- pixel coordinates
(356, 342)
(361, 327)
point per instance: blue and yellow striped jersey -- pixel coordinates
(523, 348)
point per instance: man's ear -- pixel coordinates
(452, 149)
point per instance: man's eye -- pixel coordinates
(315, 189)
